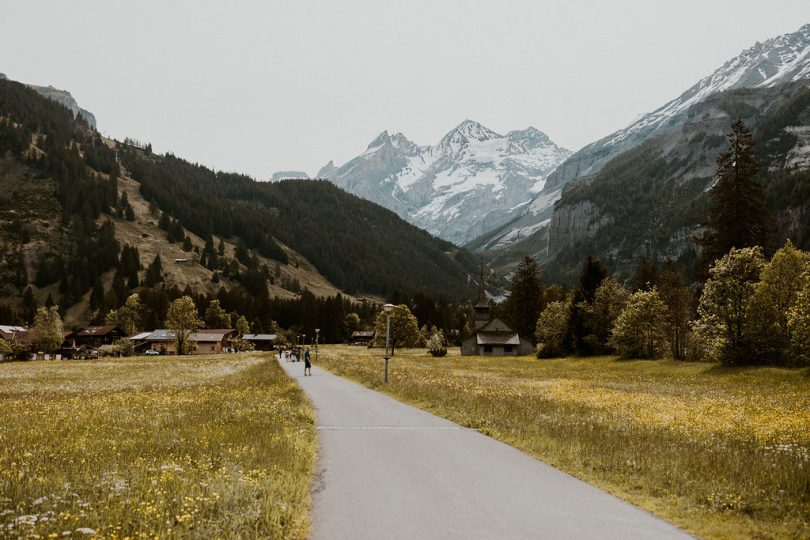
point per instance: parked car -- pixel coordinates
(151, 352)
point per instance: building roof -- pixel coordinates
(211, 335)
(142, 335)
(260, 337)
(98, 331)
(9, 329)
(496, 325)
(497, 338)
(363, 333)
(9, 332)
(162, 335)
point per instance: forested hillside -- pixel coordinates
(356, 244)
(85, 220)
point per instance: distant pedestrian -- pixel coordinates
(307, 363)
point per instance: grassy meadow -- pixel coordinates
(723, 453)
(216, 446)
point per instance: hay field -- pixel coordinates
(723, 453)
(219, 446)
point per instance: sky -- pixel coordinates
(261, 86)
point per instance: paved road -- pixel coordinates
(388, 470)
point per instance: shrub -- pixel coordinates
(436, 344)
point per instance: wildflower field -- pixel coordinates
(216, 446)
(721, 452)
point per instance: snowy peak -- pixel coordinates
(381, 140)
(530, 135)
(777, 61)
(328, 171)
(468, 130)
(473, 180)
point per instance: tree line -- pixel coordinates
(750, 309)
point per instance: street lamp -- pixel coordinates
(317, 335)
(387, 308)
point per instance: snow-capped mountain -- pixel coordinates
(778, 60)
(472, 181)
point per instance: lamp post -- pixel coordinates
(317, 335)
(387, 308)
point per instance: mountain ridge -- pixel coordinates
(471, 180)
(773, 62)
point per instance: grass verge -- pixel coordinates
(206, 447)
(723, 453)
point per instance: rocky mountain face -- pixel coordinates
(63, 97)
(651, 200)
(472, 181)
(288, 175)
(683, 125)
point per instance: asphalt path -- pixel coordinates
(387, 470)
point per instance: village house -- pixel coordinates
(140, 343)
(213, 341)
(9, 332)
(261, 342)
(12, 333)
(163, 341)
(205, 341)
(492, 336)
(362, 337)
(95, 336)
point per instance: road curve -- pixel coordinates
(387, 470)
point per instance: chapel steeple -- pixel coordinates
(482, 310)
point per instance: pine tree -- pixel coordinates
(645, 276)
(525, 300)
(97, 294)
(29, 304)
(154, 274)
(221, 247)
(592, 274)
(739, 216)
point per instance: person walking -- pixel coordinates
(307, 363)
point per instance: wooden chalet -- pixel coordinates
(9, 332)
(362, 337)
(262, 342)
(139, 342)
(213, 341)
(96, 336)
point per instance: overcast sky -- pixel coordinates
(262, 86)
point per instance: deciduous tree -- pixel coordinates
(183, 320)
(551, 329)
(216, 317)
(404, 329)
(799, 324)
(724, 305)
(773, 298)
(46, 334)
(640, 329)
